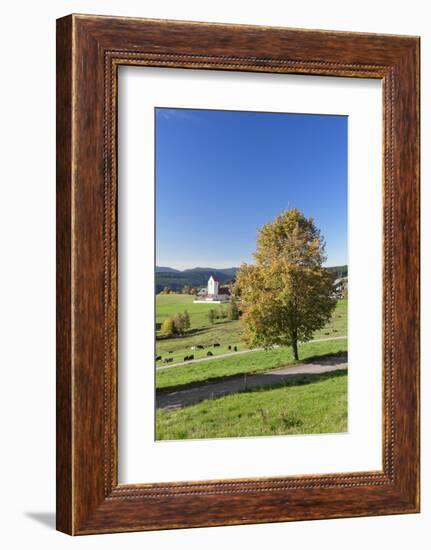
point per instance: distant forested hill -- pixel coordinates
(166, 269)
(338, 271)
(196, 277)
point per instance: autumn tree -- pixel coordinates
(232, 309)
(168, 328)
(287, 294)
(181, 322)
(186, 319)
(222, 313)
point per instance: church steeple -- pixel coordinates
(212, 286)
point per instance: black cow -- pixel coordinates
(216, 345)
(235, 348)
(158, 358)
(170, 351)
(229, 347)
(186, 358)
(200, 347)
(209, 353)
(191, 357)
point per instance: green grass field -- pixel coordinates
(313, 405)
(169, 304)
(223, 331)
(309, 406)
(246, 363)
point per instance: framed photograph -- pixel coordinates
(237, 274)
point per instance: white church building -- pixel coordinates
(213, 294)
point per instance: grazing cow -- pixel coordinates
(216, 345)
(158, 358)
(209, 353)
(166, 360)
(235, 348)
(191, 357)
(199, 347)
(186, 358)
(170, 351)
(229, 347)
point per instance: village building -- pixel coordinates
(340, 286)
(213, 294)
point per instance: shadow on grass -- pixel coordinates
(333, 359)
(240, 384)
(179, 337)
(193, 331)
(327, 359)
(299, 380)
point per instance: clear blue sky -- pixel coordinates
(221, 175)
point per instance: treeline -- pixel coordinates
(193, 278)
(338, 271)
(231, 312)
(179, 324)
(185, 290)
(176, 325)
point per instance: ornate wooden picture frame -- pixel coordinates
(89, 51)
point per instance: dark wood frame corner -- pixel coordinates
(89, 51)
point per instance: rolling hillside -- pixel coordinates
(198, 276)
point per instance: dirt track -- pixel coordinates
(182, 398)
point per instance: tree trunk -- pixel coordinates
(295, 349)
(294, 339)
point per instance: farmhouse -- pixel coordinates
(213, 294)
(340, 286)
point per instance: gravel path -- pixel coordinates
(182, 398)
(161, 367)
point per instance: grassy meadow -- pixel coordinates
(311, 404)
(223, 331)
(247, 363)
(307, 406)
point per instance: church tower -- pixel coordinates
(212, 286)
